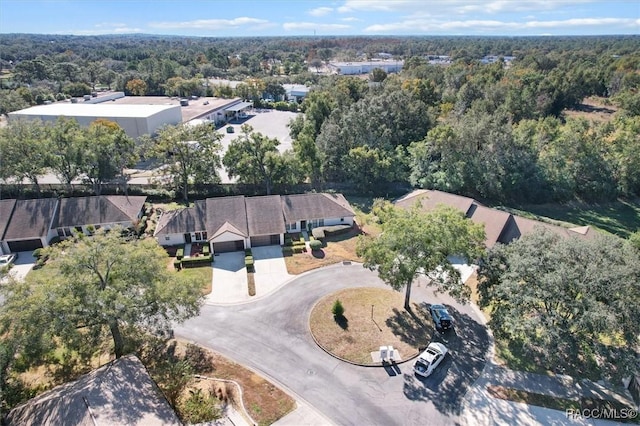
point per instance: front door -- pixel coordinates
(187, 238)
(303, 225)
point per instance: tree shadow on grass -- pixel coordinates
(342, 321)
(412, 327)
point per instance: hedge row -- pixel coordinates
(194, 262)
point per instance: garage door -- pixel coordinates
(265, 240)
(25, 245)
(228, 246)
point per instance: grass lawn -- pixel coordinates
(621, 217)
(203, 274)
(337, 248)
(357, 334)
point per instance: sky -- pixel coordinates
(238, 18)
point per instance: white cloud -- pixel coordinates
(432, 25)
(320, 11)
(106, 28)
(435, 7)
(313, 26)
(351, 19)
(211, 24)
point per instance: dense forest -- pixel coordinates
(522, 130)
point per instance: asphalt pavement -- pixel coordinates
(271, 336)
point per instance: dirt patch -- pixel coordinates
(515, 395)
(593, 109)
(373, 317)
(264, 401)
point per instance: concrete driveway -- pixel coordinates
(271, 270)
(22, 265)
(230, 275)
(272, 337)
(229, 278)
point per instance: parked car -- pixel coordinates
(7, 259)
(429, 359)
(441, 317)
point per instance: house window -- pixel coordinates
(79, 229)
(204, 236)
(167, 238)
(98, 227)
(198, 236)
(60, 232)
(67, 232)
(342, 219)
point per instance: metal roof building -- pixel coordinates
(135, 120)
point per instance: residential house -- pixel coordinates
(118, 393)
(500, 226)
(87, 214)
(239, 222)
(26, 225)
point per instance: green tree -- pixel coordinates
(24, 151)
(97, 289)
(413, 243)
(255, 159)
(567, 301)
(108, 150)
(67, 150)
(190, 154)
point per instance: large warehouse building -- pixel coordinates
(135, 120)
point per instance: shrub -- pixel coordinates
(177, 264)
(195, 262)
(37, 253)
(205, 250)
(337, 309)
(287, 251)
(288, 241)
(302, 240)
(247, 252)
(179, 253)
(315, 245)
(199, 408)
(299, 249)
(199, 358)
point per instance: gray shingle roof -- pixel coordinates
(226, 209)
(30, 219)
(6, 209)
(77, 211)
(429, 199)
(190, 219)
(264, 215)
(315, 206)
(118, 393)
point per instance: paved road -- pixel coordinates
(271, 336)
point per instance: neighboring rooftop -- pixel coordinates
(315, 205)
(30, 219)
(98, 210)
(500, 226)
(105, 110)
(118, 393)
(195, 109)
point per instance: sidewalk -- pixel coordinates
(480, 408)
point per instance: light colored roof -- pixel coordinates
(239, 106)
(430, 199)
(118, 393)
(105, 110)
